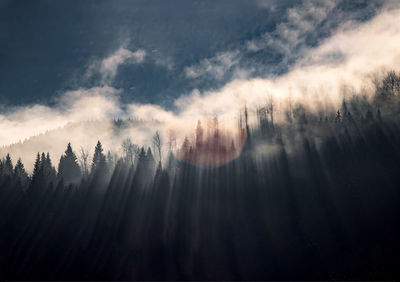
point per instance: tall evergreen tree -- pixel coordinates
(149, 155)
(68, 168)
(43, 174)
(142, 154)
(36, 167)
(20, 173)
(7, 166)
(48, 170)
(99, 159)
(199, 134)
(338, 117)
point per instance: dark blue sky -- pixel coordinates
(47, 46)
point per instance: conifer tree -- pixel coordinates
(68, 168)
(150, 158)
(185, 145)
(232, 148)
(48, 170)
(99, 159)
(199, 134)
(7, 166)
(43, 174)
(20, 173)
(142, 154)
(36, 167)
(142, 159)
(338, 117)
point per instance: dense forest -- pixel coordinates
(322, 203)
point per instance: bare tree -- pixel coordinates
(199, 134)
(112, 158)
(130, 150)
(289, 110)
(84, 160)
(157, 144)
(172, 139)
(271, 108)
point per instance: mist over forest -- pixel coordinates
(314, 192)
(196, 140)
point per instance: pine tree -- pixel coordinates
(7, 166)
(20, 173)
(232, 148)
(68, 168)
(142, 154)
(47, 168)
(338, 117)
(52, 170)
(43, 163)
(150, 158)
(199, 135)
(43, 174)
(99, 159)
(185, 146)
(36, 167)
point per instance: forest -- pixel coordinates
(312, 197)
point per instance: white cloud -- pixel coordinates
(288, 39)
(291, 33)
(348, 57)
(267, 4)
(82, 104)
(214, 67)
(108, 67)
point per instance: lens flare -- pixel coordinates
(211, 147)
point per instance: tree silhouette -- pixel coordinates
(390, 85)
(199, 134)
(68, 168)
(7, 166)
(36, 167)
(150, 158)
(20, 173)
(130, 150)
(157, 144)
(271, 212)
(84, 161)
(338, 117)
(99, 159)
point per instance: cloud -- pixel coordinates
(162, 59)
(214, 67)
(20, 123)
(292, 33)
(267, 4)
(288, 40)
(108, 67)
(348, 57)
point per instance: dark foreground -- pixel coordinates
(326, 211)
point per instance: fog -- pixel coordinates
(342, 65)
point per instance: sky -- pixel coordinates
(46, 47)
(178, 61)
